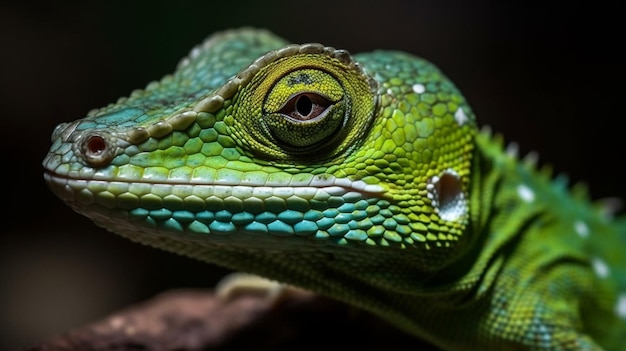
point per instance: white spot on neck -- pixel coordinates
(419, 88)
(600, 267)
(581, 229)
(460, 116)
(525, 193)
(620, 307)
(512, 149)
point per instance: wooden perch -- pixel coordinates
(184, 320)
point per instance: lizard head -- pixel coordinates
(305, 163)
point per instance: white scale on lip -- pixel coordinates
(316, 187)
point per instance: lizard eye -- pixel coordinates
(303, 104)
(304, 109)
(304, 120)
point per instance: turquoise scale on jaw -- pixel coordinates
(305, 227)
(343, 218)
(223, 216)
(205, 216)
(171, 224)
(242, 218)
(350, 221)
(338, 230)
(325, 223)
(221, 227)
(183, 216)
(256, 227)
(265, 217)
(291, 216)
(280, 228)
(161, 214)
(312, 216)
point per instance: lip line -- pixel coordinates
(51, 176)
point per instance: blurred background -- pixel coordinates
(550, 77)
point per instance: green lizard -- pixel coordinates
(363, 178)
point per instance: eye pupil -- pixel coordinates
(304, 105)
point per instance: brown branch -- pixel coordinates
(197, 320)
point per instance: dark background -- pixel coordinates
(550, 77)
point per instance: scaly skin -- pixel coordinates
(362, 178)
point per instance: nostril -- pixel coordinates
(97, 148)
(96, 145)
